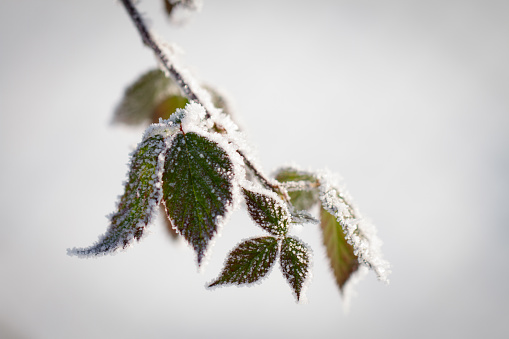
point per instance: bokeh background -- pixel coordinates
(408, 100)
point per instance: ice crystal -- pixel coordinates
(358, 232)
(295, 261)
(136, 208)
(268, 211)
(350, 241)
(195, 159)
(198, 191)
(250, 261)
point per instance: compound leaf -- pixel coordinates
(197, 188)
(268, 212)
(136, 207)
(249, 261)
(295, 263)
(341, 255)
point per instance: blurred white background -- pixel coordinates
(408, 100)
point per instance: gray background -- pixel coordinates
(408, 100)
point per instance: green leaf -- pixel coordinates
(295, 263)
(341, 255)
(302, 187)
(268, 212)
(137, 205)
(197, 188)
(351, 226)
(169, 105)
(249, 261)
(143, 97)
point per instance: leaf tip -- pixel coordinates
(213, 284)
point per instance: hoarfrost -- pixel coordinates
(359, 233)
(306, 186)
(267, 209)
(164, 128)
(251, 261)
(295, 260)
(192, 122)
(207, 153)
(137, 205)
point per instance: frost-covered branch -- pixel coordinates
(150, 41)
(194, 164)
(190, 88)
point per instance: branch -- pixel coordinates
(190, 90)
(150, 41)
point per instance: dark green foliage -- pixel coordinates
(249, 261)
(197, 188)
(295, 263)
(137, 204)
(270, 214)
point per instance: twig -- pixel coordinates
(150, 41)
(191, 93)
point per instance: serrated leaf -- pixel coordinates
(137, 205)
(304, 191)
(143, 96)
(197, 188)
(270, 214)
(341, 255)
(295, 263)
(249, 261)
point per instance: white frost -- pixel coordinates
(359, 232)
(123, 229)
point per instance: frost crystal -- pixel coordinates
(143, 192)
(358, 232)
(250, 261)
(295, 263)
(198, 190)
(268, 211)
